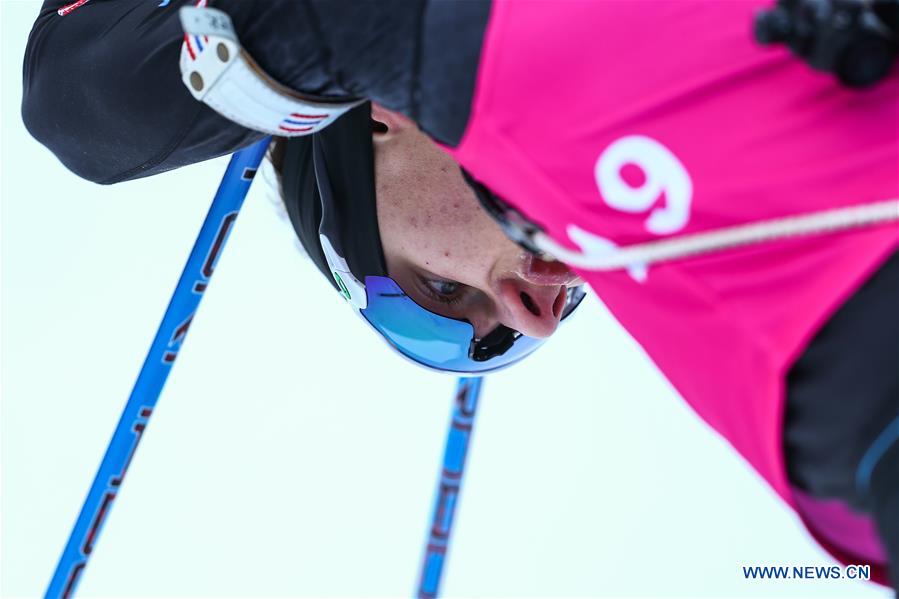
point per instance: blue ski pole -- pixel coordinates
(169, 338)
(466, 403)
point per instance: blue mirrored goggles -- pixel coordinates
(442, 343)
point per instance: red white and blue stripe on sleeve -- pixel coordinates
(194, 44)
(300, 123)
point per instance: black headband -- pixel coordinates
(343, 154)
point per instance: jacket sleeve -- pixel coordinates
(102, 87)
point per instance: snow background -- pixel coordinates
(291, 455)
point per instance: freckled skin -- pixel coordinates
(432, 225)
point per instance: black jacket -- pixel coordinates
(103, 91)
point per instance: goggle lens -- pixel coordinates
(437, 341)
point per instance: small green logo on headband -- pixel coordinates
(343, 289)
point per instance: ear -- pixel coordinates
(395, 122)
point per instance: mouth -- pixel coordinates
(541, 272)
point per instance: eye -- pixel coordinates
(446, 292)
(443, 287)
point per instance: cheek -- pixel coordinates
(452, 235)
(430, 217)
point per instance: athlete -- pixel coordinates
(589, 132)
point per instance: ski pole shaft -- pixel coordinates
(157, 365)
(466, 402)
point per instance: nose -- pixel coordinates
(533, 310)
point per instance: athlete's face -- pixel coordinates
(444, 250)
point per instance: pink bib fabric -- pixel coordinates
(627, 121)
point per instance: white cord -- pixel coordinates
(826, 221)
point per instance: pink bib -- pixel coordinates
(627, 121)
